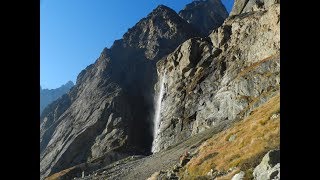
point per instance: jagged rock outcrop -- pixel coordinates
(221, 78)
(160, 32)
(210, 82)
(104, 114)
(244, 6)
(269, 168)
(204, 15)
(47, 96)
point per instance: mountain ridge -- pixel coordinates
(102, 129)
(47, 96)
(113, 98)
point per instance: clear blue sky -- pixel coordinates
(74, 32)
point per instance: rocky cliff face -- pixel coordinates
(47, 96)
(208, 82)
(245, 6)
(204, 15)
(220, 78)
(102, 116)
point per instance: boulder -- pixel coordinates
(238, 176)
(269, 168)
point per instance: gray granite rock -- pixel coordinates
(221, 78)
(112, 100)
(245, 6)
(238, 176)
(211, 80)
(269, 168)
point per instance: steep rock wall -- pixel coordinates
(222, 78)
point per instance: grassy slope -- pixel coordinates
(254, 136)
(59, 174)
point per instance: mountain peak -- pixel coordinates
(69, 84)
(162, 8)
(163, 68)
(204, 15)
(162, 11)
(163, 26)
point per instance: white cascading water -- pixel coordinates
(157, 117)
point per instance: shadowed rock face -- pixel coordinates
(109, 111)
(205, 15)
(47, 96)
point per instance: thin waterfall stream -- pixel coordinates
(157, 117)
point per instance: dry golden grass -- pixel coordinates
(57, 175)
(255, 135)
(253, 100)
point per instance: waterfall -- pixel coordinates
(157, 117)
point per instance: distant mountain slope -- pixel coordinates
(47, 96)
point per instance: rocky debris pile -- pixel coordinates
(213, 173)
(172, 173)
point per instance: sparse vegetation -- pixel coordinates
(255, 65)
(256, 135)
(56, 176)
(195, 81)
(254, 100)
